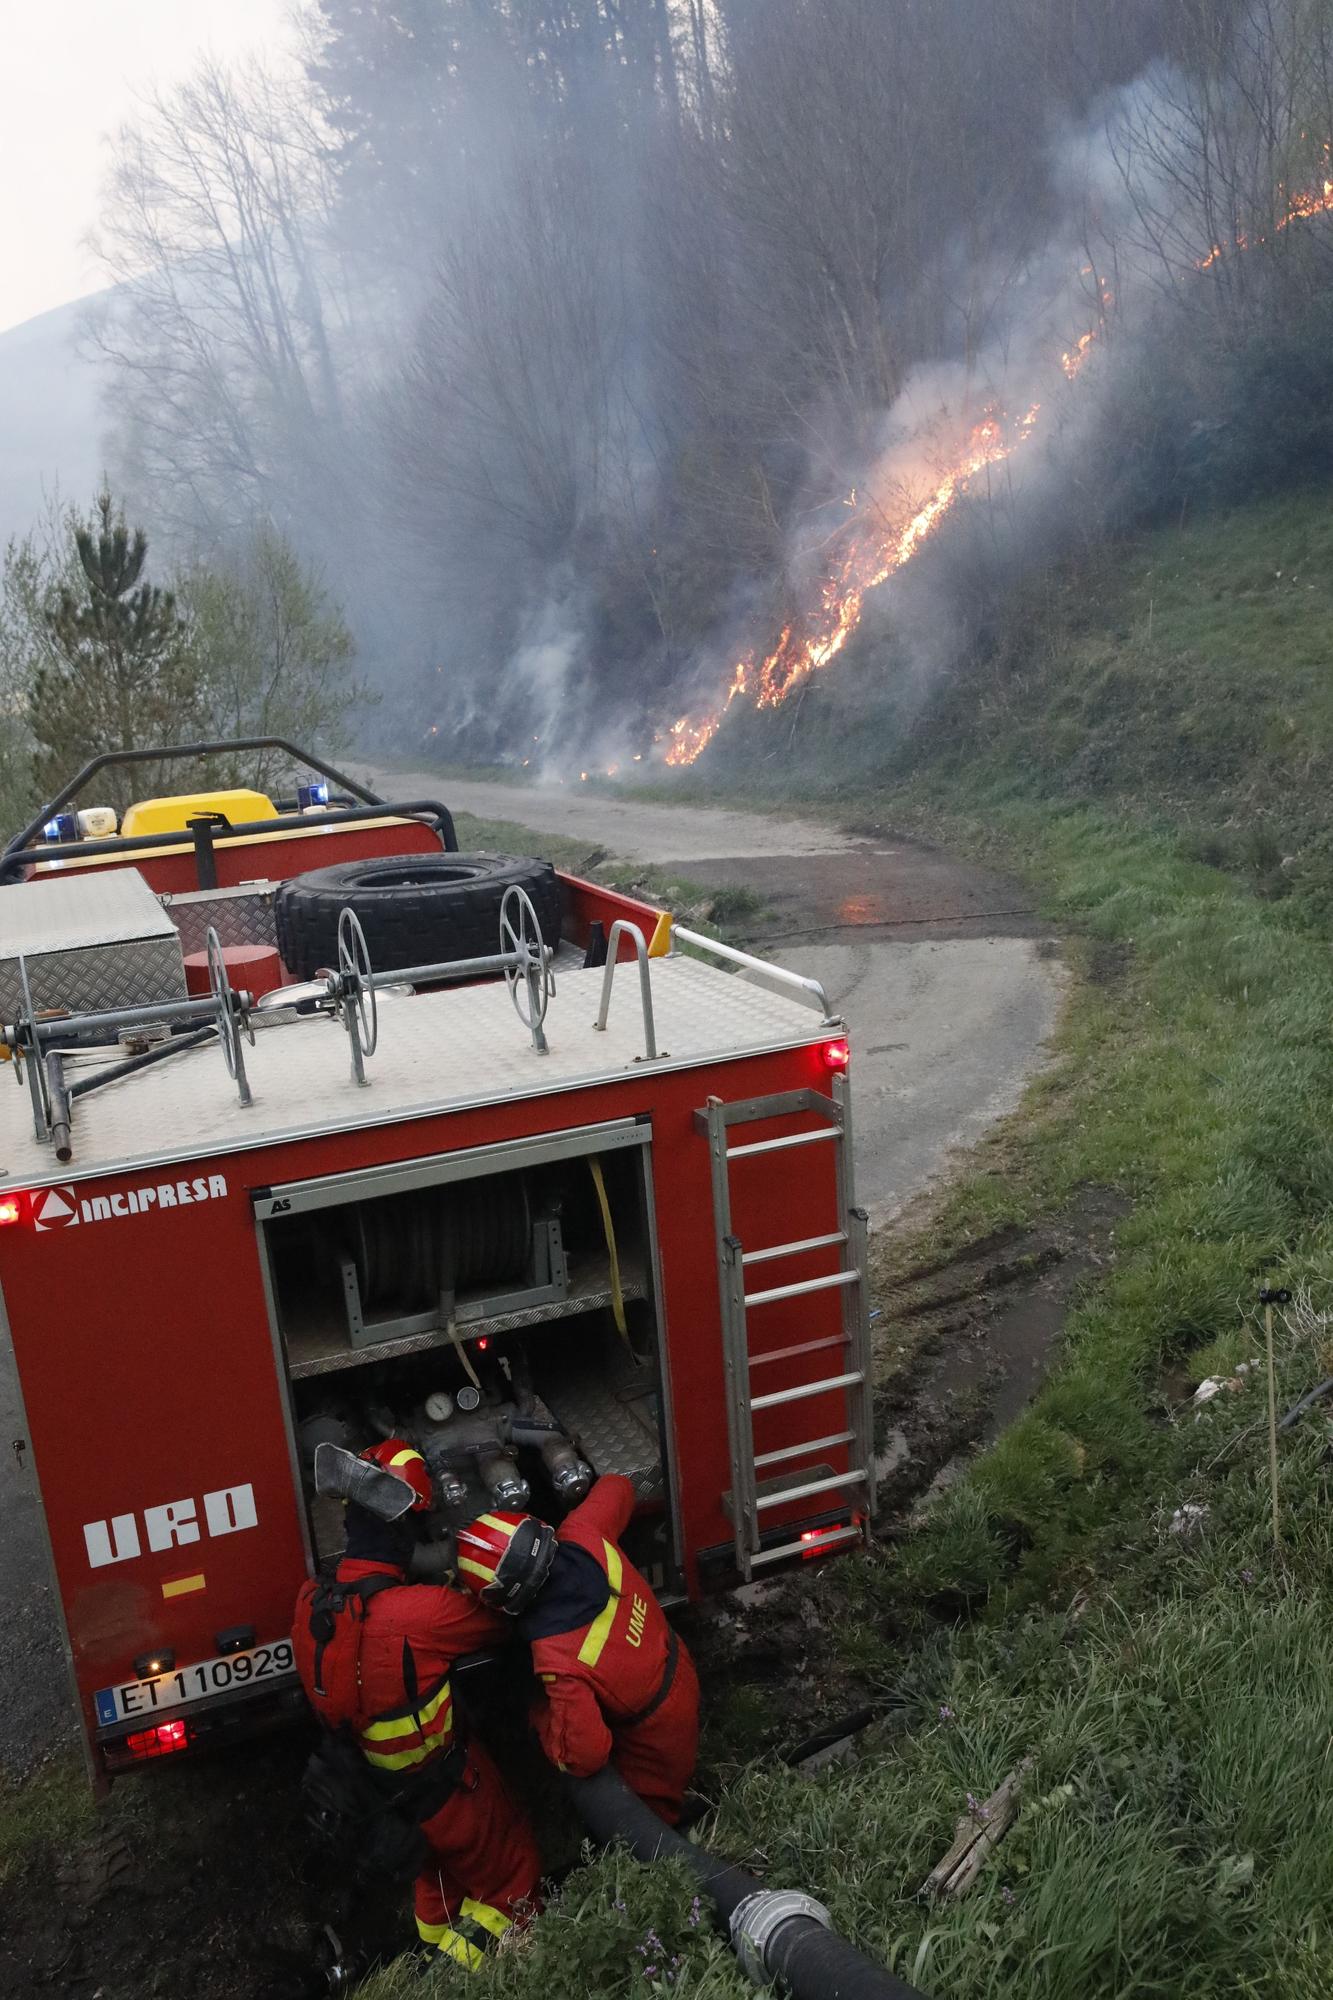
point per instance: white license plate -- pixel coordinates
(133, 1701)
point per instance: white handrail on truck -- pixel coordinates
(775, 977)
(623, 928)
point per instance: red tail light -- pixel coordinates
(837, 1055)
(816, 1539)
(159, 1742)
(11, 1209)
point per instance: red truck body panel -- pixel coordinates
(174, 871)
(144, 1394)
(139, 1292)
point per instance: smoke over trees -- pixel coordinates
(551, 330)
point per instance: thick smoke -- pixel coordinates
(1162, 232)
(583, 349)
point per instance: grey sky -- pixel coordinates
(69, 74)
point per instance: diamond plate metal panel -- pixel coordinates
(239, 916)
(87, 944)
(98, 976)
(430, 1059)
(613, 1414)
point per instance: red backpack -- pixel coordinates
(330, 1623)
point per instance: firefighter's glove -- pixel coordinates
(570, 1726)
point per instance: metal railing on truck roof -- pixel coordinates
(347, 994)
(204, 830)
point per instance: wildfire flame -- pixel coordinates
(1306, 202)
(811, 641)
(1077, 355)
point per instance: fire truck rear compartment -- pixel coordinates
(504, 1322)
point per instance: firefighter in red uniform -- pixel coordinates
(618, 1685)
(374, 1654)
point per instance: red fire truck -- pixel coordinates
(325, 1131)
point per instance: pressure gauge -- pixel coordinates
(469, 1399)
(439, 1407)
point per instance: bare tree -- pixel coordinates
(1223, 152)
(508, 402)
(231, 319)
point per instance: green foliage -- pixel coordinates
(1170, 1839)
(93, 657)
(1182, 681)
(1151, 757)
(50, 1811)
(123, 673)
(272, 652)
(615, 1930)
(35, 568)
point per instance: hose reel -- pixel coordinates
(441, 1258)
(524, 959)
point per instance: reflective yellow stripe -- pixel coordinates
(493, 1521)
(590, 1652)
(408, 1457)
(430, 1933)
(398, 1760)
(476, 1569)
(486, 1915)
(460, 1952)
(404, 1725)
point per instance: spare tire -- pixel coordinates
(415, 909)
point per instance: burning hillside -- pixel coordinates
(872, 550)
(869, 550)
(877, 541)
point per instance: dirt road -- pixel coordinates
(939, 968)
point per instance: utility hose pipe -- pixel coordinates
(775, 1933)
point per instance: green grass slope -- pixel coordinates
(1103, 1592)
(1187, 681)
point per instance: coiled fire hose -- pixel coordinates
(775, 1933)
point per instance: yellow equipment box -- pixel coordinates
(173, 815)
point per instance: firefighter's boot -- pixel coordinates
(465, 1941)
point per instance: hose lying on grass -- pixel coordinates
(775, 1933)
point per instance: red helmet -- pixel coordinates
(504, 1559)
(405, 1462)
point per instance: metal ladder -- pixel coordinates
(753, 1496)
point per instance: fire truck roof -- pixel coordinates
(439, 1051)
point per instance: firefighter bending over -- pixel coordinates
(374, 1654)
(618, 1685)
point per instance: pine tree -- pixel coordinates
(124, 674)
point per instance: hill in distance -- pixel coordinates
(50, 421)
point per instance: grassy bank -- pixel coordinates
(1102, 1592)
(1169, 1686)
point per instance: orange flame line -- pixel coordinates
(871, 564)
(843, 595)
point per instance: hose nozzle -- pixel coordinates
(504, 1482)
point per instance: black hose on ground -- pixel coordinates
(776, 1933)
